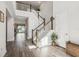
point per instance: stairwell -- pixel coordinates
(41, 34)
(42, 31)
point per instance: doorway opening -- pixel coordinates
(20, 32)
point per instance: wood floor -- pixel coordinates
(27, 49)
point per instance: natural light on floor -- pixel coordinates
(44, 41)
(31, 46)
(20, 36)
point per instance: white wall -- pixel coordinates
(32, 24)
(66, 17)
(3, 6)
(17, 21)
(10, 5)
(74, 22)
(3, 31)
(10, 19)
(32, 20)
(10, 30)
(46, 9)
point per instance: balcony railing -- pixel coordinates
(21, 6)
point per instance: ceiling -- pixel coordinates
(35, 4)
(20, 18)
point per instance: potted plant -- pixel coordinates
(54, 37)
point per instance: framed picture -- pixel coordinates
(1, 16)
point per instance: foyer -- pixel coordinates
(39, 29)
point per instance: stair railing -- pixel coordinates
(37, 30)
(28, 6)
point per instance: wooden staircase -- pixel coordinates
(35, 32)
(41, 28)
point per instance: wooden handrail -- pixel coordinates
(45, 25)
(41, 17)
(51, 20)
(38, 26)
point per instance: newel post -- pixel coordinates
(37, 38)
(38, 10)
(38, 15)
(36, 35)
(30, 7)
(32, 35)
(52, 22)
(44, 23)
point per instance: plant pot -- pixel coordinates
(53, 43)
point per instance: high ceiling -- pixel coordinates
(35, 4)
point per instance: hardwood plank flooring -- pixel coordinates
(27, 49)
